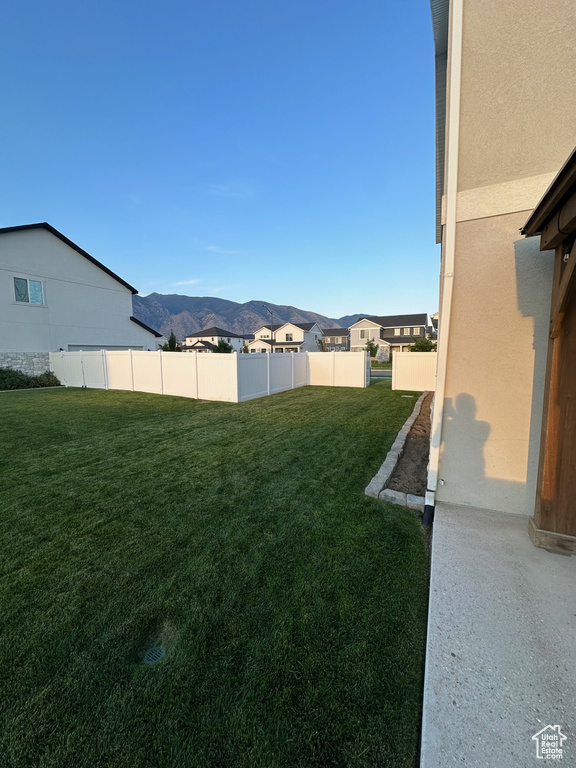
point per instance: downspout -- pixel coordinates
(451, 187)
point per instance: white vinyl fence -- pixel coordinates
(232, 378)
(414, 371)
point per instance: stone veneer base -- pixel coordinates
(30, 363)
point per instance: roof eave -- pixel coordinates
(81, 251)
(562, 187)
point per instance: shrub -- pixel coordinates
(222, 347)
(46, 379)
(11, 379)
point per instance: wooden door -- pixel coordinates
(556, 493)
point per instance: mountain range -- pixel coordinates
(186, 314)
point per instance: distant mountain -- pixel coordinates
(349, 320)
(187, 314)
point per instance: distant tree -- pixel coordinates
(371, 347)
(424, 345)
(322, 345)
(171, 345)
(245, 348)
(222, 346)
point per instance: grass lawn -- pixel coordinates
(237, 536)
(381, 366)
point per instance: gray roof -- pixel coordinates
(272, 327)
(395, 321)
(214, 331)
(303, 326)
(335, 332)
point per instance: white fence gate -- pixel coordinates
(414, 371)
(232, 378)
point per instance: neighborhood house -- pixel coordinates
(335, 339)
(289, 337)
(206, 340)
(392, 333)
(54, 296)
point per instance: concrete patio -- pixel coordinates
(501, 646)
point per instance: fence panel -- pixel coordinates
(230, 378)
(147, 372)
(94, 365)
(300, 368)
(338, 369)
(414, 371)
(280, 372)
(252, 376)
(58, 366)
(119, 363)
(179, 374)
(321, 368)
(351, 372)
(217, 377)
(74, 370)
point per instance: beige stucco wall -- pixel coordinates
(495, 367)
(517, 106)
(516, 128)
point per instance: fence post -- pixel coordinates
(65, 369)
(292, 357)
(105, 368)
(131, 368)
(268, 369)
(333, 367)
(82, 368)
(236, 378)
(161, 373)
(196, 371)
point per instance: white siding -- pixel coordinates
(83, 305)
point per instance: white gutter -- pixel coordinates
(451, 186)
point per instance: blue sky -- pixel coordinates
(255, 149)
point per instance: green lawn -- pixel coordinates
(237, 536)
(381, 366)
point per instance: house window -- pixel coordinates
(396, 331)
(338, 340)
(264, 335)
(365, 333)
(28, 291)
(228, 340)
(406, 331)
(289, 337)
(417, 331)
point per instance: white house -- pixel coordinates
(54, 295)
(205, 340)
(289, 337)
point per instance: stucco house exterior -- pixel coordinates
(54, 295)
(393, 333)
(336, 339)
(500, 615)
(206, 339)
(288, 337)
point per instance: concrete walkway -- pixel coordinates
(501, 654)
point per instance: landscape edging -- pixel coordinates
(376, 488)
